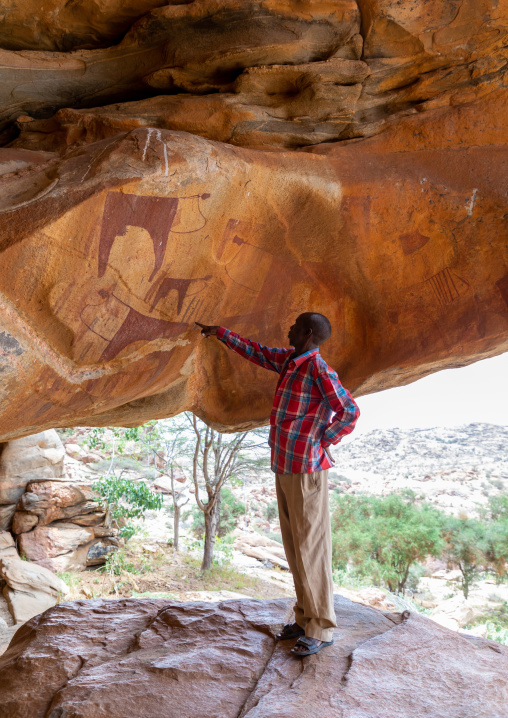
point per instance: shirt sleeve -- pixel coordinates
(340, 401)
(272, 359)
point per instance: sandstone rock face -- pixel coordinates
(7, 547)
(29, 589)
(7, 550)
(34, 457)
(242, 162)
(151, 657)
(63, 526)
(403, 251)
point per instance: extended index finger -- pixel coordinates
(203, 326)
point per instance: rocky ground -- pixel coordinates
(161, 658)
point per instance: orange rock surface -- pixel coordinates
(222, 199)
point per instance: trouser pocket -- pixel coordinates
(311, 483)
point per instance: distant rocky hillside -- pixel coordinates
(456, 468)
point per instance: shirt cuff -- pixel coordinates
(222, 332)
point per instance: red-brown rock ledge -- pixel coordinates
(160, 659)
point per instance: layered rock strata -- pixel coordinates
(249, 73)
(63, 526)
(59, 524)
(151, 657)
(38, 456)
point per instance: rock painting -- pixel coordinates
(447, 286)
(154, 214)
(134, 295)
(431, 256)
(271, 282)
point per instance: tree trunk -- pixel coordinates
(176, 525)
(211, 523)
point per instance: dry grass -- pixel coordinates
(132, 572)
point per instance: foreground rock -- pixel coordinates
(38, 456)
(201, 660)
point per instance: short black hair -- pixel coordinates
(320, 325)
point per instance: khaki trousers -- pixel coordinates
(305, 526)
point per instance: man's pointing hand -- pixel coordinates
(207, 331)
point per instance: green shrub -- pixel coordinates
(127, 500)
(117, 563)
(230, 511)
(381, 538)
(271, 511)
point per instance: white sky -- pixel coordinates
(476, 393)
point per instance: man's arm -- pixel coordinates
(266, 357)
(342, 404)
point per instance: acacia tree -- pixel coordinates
(383, 537)
(169, 443)
(217, 459)
(465, 548)
(214, 458)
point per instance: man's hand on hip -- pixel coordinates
(328, 453)
(207, 331)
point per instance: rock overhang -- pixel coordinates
(120, 229)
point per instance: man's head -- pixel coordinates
(309, 331)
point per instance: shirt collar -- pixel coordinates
(298, 361)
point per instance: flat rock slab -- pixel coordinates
(160, 659)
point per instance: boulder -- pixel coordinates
(157, 657)
(29, 589)
(7, 550)
(457, 612)
(7, 546)
(64, 546)
(162, 484)
(63, 525)
(50, 501)
(37, 456)
(75, 451)
(7, 630)
(5, 615)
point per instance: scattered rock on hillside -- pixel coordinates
(260, 547)
(154, 657)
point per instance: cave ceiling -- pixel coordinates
(241, 162)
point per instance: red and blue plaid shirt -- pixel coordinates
(311, 408)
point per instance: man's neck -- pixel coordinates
(298, 351)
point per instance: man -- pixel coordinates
(311, 411)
